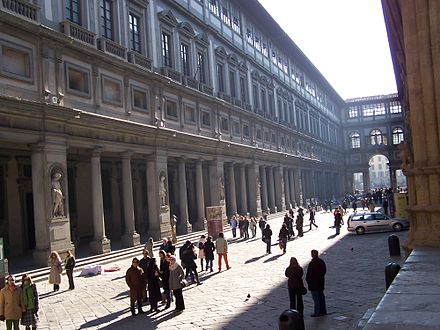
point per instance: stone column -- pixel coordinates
(183, 226)
(200, 197)
(264, 201)
(232, 192)
(298, 186)
(271, 185)
(292, 188)
(100, 243)
(243, 194)
(279, 189)
(217, 186)
(286, 187)
(366, 180)
(159, 224)
(14, 209)
(139, 203)
(393, 179)
(130, 237)
(254, 190)
(116, 202)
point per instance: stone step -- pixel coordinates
(42, 274)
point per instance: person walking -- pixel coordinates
(30, 302)
(300, 222)
(338, 222)
(152, 275)
(316, 282)
(234, 224)
(262, 224)
(312, 214)
(171, 248)
(295, 285)
(209, 248)
(134, 277)
(69, 265)
(11, 304)
(267, 238)
(201, 254)
(55, 270)
(149, 247)
(221, 245)
(282, 237)
(253, 226)
(246, 227)
(176, 278)
(165, 276)
(188, 257)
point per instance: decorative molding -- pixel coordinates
(167, 17)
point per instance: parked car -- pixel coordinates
(362, 222)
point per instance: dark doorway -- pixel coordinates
(29, 218)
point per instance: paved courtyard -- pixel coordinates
(354, 284)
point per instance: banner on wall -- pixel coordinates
(214, 217)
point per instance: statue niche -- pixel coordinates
(57, 194)
(162, 190)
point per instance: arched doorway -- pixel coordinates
(379, 172)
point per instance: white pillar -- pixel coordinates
(200, 197)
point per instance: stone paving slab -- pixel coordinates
(354, 284)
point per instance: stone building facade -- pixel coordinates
(116, 115)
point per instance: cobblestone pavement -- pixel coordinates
(354, 284)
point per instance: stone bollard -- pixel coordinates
(290, 319)
(391, 271)
(394, 246)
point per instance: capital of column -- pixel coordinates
(127, 154)
(96, 152)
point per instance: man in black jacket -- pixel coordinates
(315, 280)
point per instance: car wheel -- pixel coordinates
(397, 227)
(360, 230)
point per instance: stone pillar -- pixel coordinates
(159, 224)
(254, 186)
(51, 201)
(279, 189)
(243, 194)
(393, 179)
(286, 187)
(271, 190)
(183, 226)
(231, 188)
(200, 197)
(366, 180)
(264, 201)
(292, 187)
(139, 203)
(298, 186)
(130, 237)
(100, 243)
(14, 209)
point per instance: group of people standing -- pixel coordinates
(145, 279)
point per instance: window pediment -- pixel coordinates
(221, 52)
(186, 28)
(242, 67)
(202, 38)
(255, 75)
(232, 59)
(167, 16)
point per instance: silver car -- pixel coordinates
(362, 222)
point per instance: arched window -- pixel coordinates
(355, 140)
(397, 135)
(376, 137)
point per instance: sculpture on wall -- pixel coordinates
(57, 195)
(162, 190)
(221, 187)
(258, 187)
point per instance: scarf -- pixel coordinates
(28, 296)
(173, 266)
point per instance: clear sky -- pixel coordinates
(345, 39)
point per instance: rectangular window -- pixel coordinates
(232, 83)
(220, 79)
(111, 90)
(236, 128)
(73, 11)
(77, 80)
(255, 95)
(395, 107)
(171, 109)
(140, 99)
(353, 112)
(271, 104)
(263, 99)
(190, 114)
(184, 59)
(246, 131)
(201, 65)
(367, 110)
(236, 20)
(16, 62)
(243, 90)
(135, 33)
(224, 124)
(206, 119)
(225, 15)
(107, 19)
(280, 109)
(258, 133)
(166, 52)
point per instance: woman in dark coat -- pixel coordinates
(267, 238)
(209, 248)
(282, 236)
(165, 276)
(295, 284)
(154, 294)
(188, 257)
